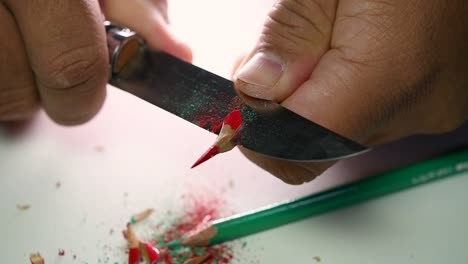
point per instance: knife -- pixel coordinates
(204, 99)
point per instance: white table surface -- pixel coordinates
(124, 160)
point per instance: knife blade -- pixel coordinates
(204, 98)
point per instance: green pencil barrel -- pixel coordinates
(341, 196)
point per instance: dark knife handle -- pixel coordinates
(122, 45)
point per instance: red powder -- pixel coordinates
(212, 121)
(197, 215)
(233, 119)
(236, 103)
(209, 121)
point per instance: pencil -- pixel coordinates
(275, 215)
(224, 142)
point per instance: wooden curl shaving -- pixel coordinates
(197, 260)
(36, 258)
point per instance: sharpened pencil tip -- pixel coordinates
(211, 152)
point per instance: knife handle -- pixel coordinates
(122, 45)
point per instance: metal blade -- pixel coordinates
(204, 98)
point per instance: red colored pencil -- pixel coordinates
(230, 129)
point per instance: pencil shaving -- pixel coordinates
(131, 237)
(141, 215)
(149, 252)
(139, 248)
(36, 258)
(197, 260)
(23, 207)
(99, 148)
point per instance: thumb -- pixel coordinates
(294, 37)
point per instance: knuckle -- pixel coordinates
(296, 25)
(78, 67)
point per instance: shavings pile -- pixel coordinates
(191, 212)
(197, 213)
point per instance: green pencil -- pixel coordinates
(275, 215)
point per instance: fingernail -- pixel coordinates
(261, 73)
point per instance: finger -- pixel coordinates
(148, 20)
(291, 172)
(18, 94)
(66, 45)
(162, 7)
(294, 37)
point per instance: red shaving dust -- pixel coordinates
(214, 124)
(197, 215)
(212, 121)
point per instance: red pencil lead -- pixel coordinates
(211, 152)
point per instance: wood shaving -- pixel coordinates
(99, 148)
(36, 258)
(197, 260)
(23, 207)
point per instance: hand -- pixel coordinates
(373, 71)
(54, 53)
